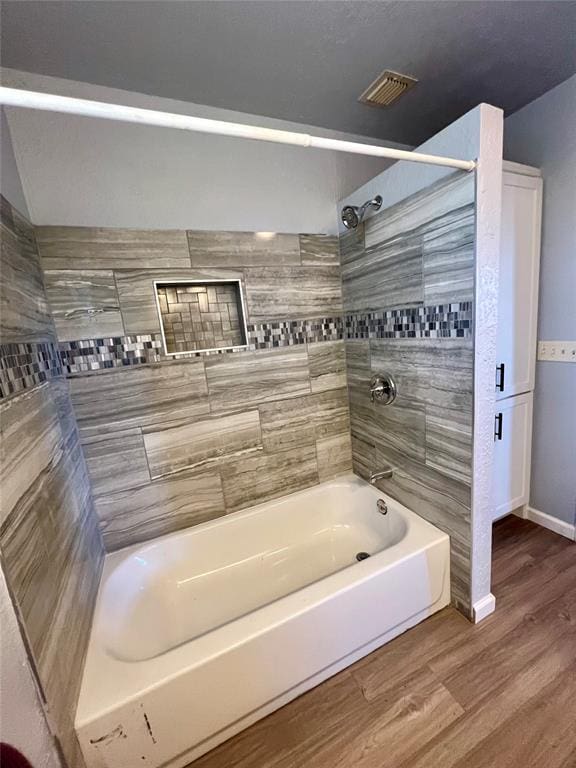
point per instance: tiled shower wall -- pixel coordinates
(174, 442)
(407, 291)
(49, 540)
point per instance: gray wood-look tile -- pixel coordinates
(352, 245)
(430, 371)
(448, 257)
(357, 359)
(136, 292)
(461, 572)
(319, 250)
(303, 420)
(418, 210)
(449, 442)
(252, 480)
(240, 381)
(363, 457)
(31, 443)
(160, 507)
(60, 391)
(6, 216)
(116, 460)
(242, 249)
(84, 303)
(101, 248)
(428, 479)
(285, 424)
(358, 372)
(69, 742)
(172, 449)
(71, 489)
(327, 361)
(386, 276)
(27, 564)
(448, 498)
(418, 251)
(24, 311)
(141, 396)
(400, 425)
(51, 548)
(278, 293)
(334, 456)
(442, 500)
(66, 641)
(330, 412)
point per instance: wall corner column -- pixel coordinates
(488, 215)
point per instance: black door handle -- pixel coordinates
(500, 377)
(498, 427)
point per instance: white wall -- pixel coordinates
(22, 722)
(543, 134)
(460, 139)
(10, 184)
(476, 135)
(87, 172)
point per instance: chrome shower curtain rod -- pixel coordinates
(15, 97)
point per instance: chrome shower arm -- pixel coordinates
(375, 204)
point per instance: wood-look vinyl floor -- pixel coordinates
(448, 694)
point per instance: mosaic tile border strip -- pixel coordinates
(123, 351)
(111, 352)
(25, 366)
(291, 332)
(438, 321)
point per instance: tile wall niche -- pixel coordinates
(201, 316)
(171, 441)
(50, 544)
(407, 278)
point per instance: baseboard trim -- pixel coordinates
(552, 523)
(483, 608)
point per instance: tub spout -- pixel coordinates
(384, 474)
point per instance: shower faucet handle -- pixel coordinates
(382, 389)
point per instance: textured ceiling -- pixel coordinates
(304, 61)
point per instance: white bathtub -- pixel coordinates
(198, 634)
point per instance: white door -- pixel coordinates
(518, 285)
(512, 449)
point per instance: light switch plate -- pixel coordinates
(557, 351)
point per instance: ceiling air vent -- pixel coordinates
(387, 88)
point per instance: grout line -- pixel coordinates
(119, 305)
(190, 265)
(151, 480)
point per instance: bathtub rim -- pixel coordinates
(113, 559)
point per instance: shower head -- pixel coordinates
(352, 215)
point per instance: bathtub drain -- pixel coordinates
(362, 556)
